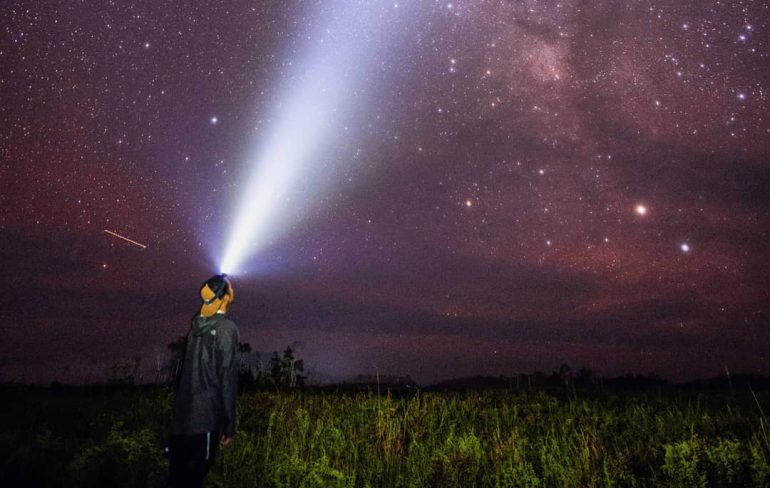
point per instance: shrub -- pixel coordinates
(682, 463)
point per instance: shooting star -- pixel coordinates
(125, 239)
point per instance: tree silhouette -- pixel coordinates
(585, 376)
(177, 348)
(275, 369)
(248, 372)
(286, 371)
(291, 368)
(282, 372)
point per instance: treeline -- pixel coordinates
(281, 371)
(564, 378)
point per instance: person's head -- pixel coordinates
(217, 295)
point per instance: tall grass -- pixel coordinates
(528, 439)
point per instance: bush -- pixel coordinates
(681, 464)
(124, 459)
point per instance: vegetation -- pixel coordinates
(282, 372)
(533, 437)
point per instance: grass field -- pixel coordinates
(661, 436)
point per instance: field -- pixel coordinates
(660, 436)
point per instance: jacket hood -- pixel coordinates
(203, 325)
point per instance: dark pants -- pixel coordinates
(190, 458)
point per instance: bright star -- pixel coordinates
(214, 120)
(641, 210)
(684, 247)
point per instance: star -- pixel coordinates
(471, 136)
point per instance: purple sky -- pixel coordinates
(523, 184)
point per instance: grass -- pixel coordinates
(114, 437)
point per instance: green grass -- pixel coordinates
(103, 437)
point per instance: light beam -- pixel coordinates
(288, 166)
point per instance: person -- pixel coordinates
(204, 415)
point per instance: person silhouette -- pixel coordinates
(204, 414)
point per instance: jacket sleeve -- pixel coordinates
(228, 372)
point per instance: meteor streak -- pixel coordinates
(125, 239)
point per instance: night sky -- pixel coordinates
(511, 185)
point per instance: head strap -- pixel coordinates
(219, 291)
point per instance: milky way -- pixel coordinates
(523, 184)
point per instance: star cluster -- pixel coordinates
(525, 184)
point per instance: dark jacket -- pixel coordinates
(205, 400)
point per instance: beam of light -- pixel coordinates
(288, 163)
(115, 234)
